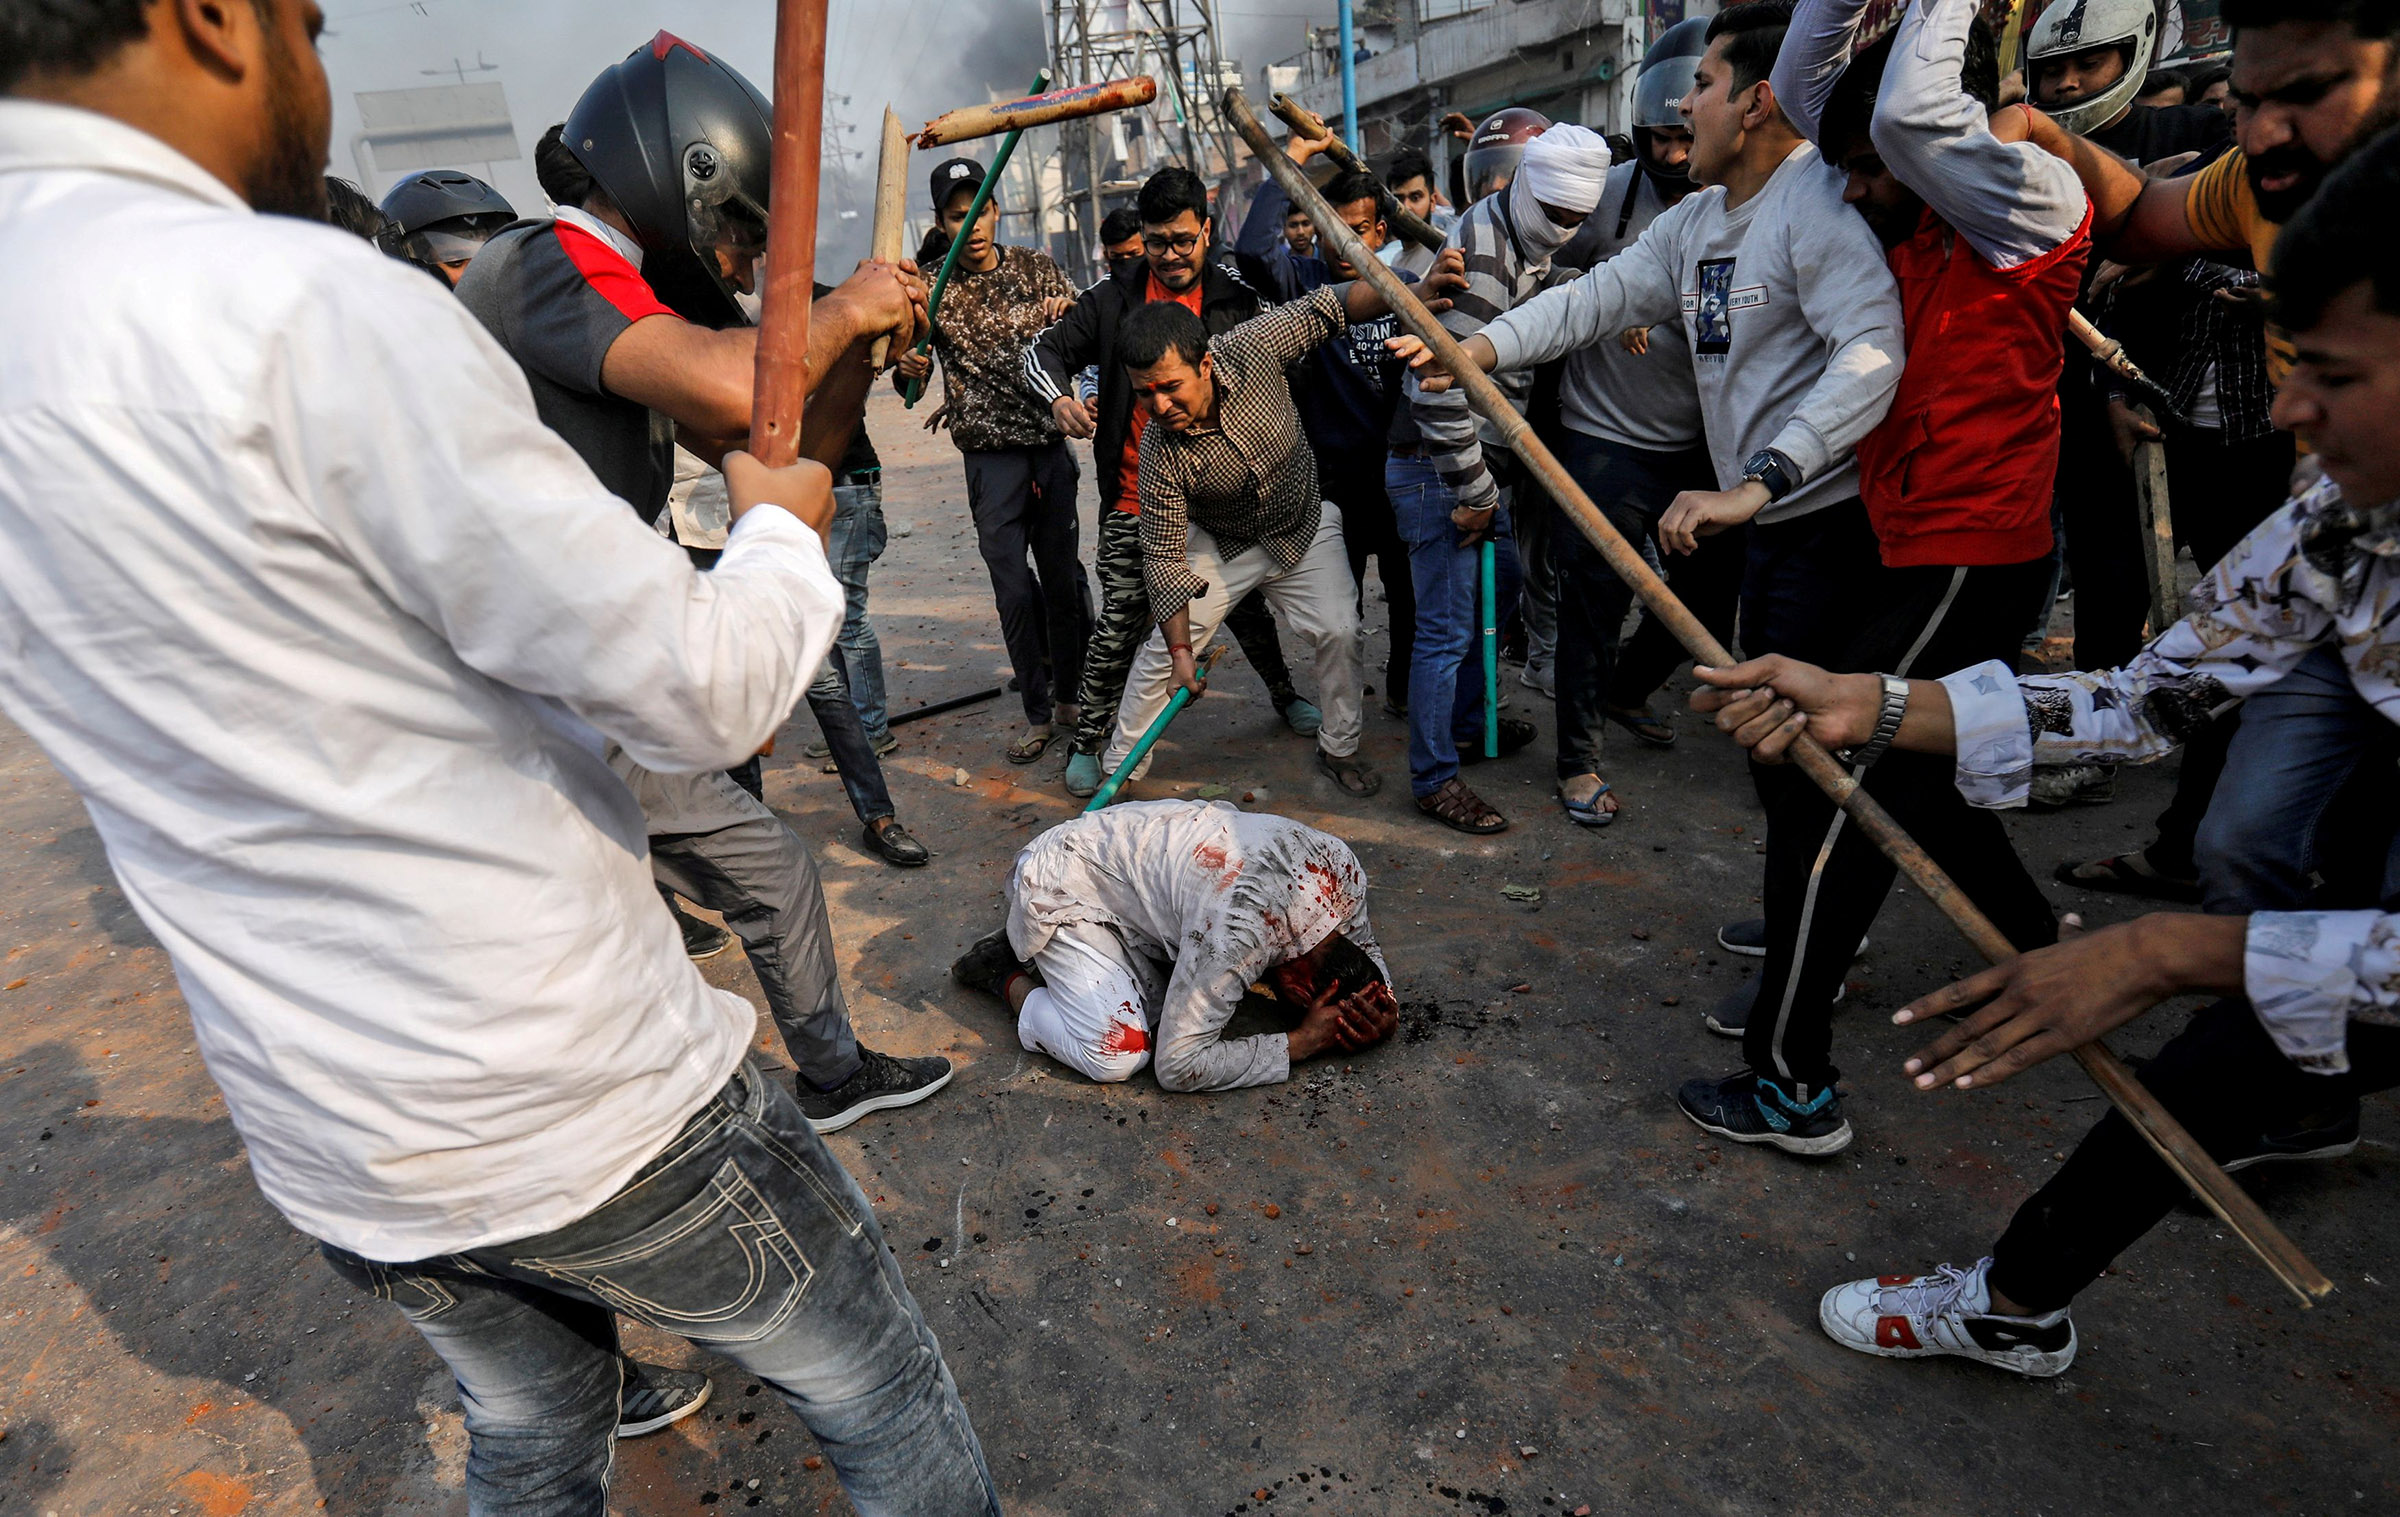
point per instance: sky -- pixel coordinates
(920, 56)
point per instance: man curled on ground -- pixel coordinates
(1134, 931)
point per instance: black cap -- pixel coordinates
(952, 175)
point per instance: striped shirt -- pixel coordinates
(1504, 270)
(1248, 475)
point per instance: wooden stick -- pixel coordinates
(2158, 529)
(889, 243)
(2189, 1162)
(780, 383)
(972, 121)
(915, 388)
(1404, 223)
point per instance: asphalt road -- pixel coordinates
(1485, 1268)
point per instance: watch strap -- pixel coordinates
(1887, 723)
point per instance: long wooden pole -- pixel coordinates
(2190, 1163)
(1405, 224)
(780, 385)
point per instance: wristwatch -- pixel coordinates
(1773, 470)
(1887, 723)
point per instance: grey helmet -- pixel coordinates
(1668, 71)
(2078, 26)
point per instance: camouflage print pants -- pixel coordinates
(1125, 620)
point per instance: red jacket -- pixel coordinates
(1960, 471)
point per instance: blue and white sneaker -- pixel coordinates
(1749, 1108)
(1946, 1312)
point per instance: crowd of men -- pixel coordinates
(414, 641)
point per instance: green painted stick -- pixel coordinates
(1491, 649)
(983, 197)
(1158, 729)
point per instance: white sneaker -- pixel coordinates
(1947, 1312)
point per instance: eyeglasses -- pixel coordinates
(1181, 243)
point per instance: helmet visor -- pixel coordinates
(451, 242)
(1660, 87)
(1489, 169)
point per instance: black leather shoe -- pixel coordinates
(887, 837)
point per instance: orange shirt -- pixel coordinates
(2223, 213)
(1129, 468)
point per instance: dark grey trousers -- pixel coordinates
(716, 845)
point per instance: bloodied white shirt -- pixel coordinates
(1223, 894)
(2317, 572)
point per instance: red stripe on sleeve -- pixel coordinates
(618, 282)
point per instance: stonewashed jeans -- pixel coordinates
(853, 541)
(744, 1236)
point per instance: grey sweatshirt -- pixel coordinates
(2011, 201)
(1792, 314)
(1646, 401)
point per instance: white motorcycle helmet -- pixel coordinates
(2067, 27)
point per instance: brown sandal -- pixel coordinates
(1457, 807)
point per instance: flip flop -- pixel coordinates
(2128, 874)
(1587, 813)
(1029, 748)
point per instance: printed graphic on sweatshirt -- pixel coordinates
(1711, 307)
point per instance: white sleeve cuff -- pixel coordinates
(1994, 742)
(2305, 971)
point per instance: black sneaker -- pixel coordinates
(654, 1396)
(2302, 1141)
(988, 964)
(701, 940)
(880, 1084)
(1748, 938)
(1749, 1108)
(1730, 1017)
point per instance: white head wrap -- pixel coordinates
(1567, 167)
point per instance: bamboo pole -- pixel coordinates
(2189, 1162)
(780, 382)
(1405, 224)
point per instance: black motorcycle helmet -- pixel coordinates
(440, 217)
(680, 144)
(1669, 69)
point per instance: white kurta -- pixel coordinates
(1220, 893)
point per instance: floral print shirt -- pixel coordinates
(2320, 571)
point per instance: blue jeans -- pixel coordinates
(743, 1236)
(2302, 742)
(1445, 668)
(853, 542)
